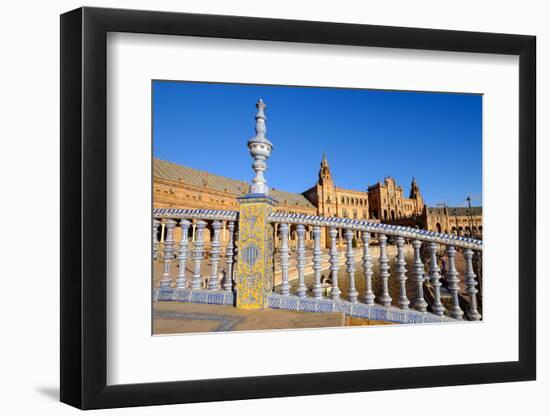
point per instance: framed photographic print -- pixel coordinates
(258, 208)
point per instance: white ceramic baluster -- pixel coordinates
(451, 275)
(418, 271)
(156, 225)
(471, 284)
(368, 297)
(403, 301)
(301, 261)
(385, 298)
(198, 255)
(168, 253)
(181, 281)
(214, 282)
(435, 276)
(229, 252)
(317, 262)
(350, 266)
(285, 286)
(334, 256)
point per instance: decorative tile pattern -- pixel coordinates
(255, 262)
(215, 298)
(307, 304)
(378, 313)
(199, 297)
(396, 316)
(274, 301)
(182, 295)
(415, 317)
(289, 303)
(343, 308)
(325, 306)
(360, 310)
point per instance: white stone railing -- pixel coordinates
(426, 247)
(183, 221)
(173, 213)
(419, 239)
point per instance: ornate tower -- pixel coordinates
(326, 197)
(326, 191)
(324, 172)
(417, 197)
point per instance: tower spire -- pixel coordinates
(415, 189)
(324, 172)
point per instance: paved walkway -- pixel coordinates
(174, 317)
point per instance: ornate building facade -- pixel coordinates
(388, 203)
(184, 187)
(462, 221)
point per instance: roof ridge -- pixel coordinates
(194, 176)
(199, 170)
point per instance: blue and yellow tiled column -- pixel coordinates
(255, 267)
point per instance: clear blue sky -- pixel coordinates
(366, 134)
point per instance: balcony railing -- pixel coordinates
(199, 236)
(427, 249)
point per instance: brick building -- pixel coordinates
(184, 187)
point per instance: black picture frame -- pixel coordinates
(84, 207)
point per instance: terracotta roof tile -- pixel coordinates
(199, 178)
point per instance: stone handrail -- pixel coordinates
(387, 229)
(173, 213)
(431, 241)
(170, 219)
